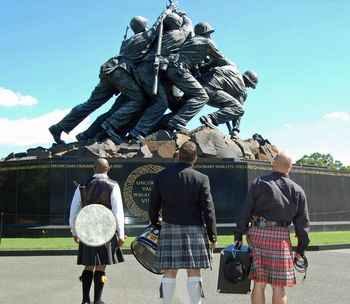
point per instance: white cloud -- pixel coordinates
(9, 98)
(34, 132)
(344, 116)
(323, 136)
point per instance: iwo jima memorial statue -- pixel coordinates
(163, 76)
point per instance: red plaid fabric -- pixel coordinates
(272, 256)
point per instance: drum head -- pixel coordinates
(95, 225)
(143, 248)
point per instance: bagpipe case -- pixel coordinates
(225, 286)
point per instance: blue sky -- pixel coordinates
(51, 51)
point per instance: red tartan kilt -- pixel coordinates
(272, 256)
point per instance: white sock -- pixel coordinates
(168, 286)
(194, 288)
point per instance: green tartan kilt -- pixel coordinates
(182, 247)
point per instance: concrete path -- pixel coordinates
(54, 280)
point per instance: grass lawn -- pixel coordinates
(317, 238)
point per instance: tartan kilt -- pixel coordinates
(182, 247)
(102, 255)
(272, 256)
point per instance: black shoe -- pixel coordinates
(56, 132)
(82, 137)
(183, 131)
(135, 136)
(206, 120)
(116, 138)
(168, 128)
(172, 128)
(108, 129)
(101, 136)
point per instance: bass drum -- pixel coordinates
(95, 225)
(144, 248)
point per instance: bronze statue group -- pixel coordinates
(169, 66)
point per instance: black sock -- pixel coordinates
(86, 279)
(99, 277)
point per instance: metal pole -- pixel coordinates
(157, 59)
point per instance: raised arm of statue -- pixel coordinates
(187, 26)
(171, 7)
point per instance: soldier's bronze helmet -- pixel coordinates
(202, 28)
(172, 21)
(252, 78)
(138, 24)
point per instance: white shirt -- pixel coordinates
(116, 204)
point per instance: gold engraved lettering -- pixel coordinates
(137, 187)
(297, 170)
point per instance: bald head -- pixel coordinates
(282, 162)
(101, 165)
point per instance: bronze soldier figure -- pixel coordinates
(227, 90)
(177, 27)
(116, 75)
(192, 53)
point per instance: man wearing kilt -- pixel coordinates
(98, 190)
(274, 202)
(184, 198)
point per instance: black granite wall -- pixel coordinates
(38, 193)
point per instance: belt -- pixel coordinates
(266, 223)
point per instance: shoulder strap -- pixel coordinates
(82, 189)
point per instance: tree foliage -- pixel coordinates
(322, 160)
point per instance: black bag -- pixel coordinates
(234, 270)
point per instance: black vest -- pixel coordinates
(97, 190)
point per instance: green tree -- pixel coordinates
(322, 160)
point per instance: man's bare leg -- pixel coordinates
(279, 296)
(258, 293)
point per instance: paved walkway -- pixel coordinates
(54, 280)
